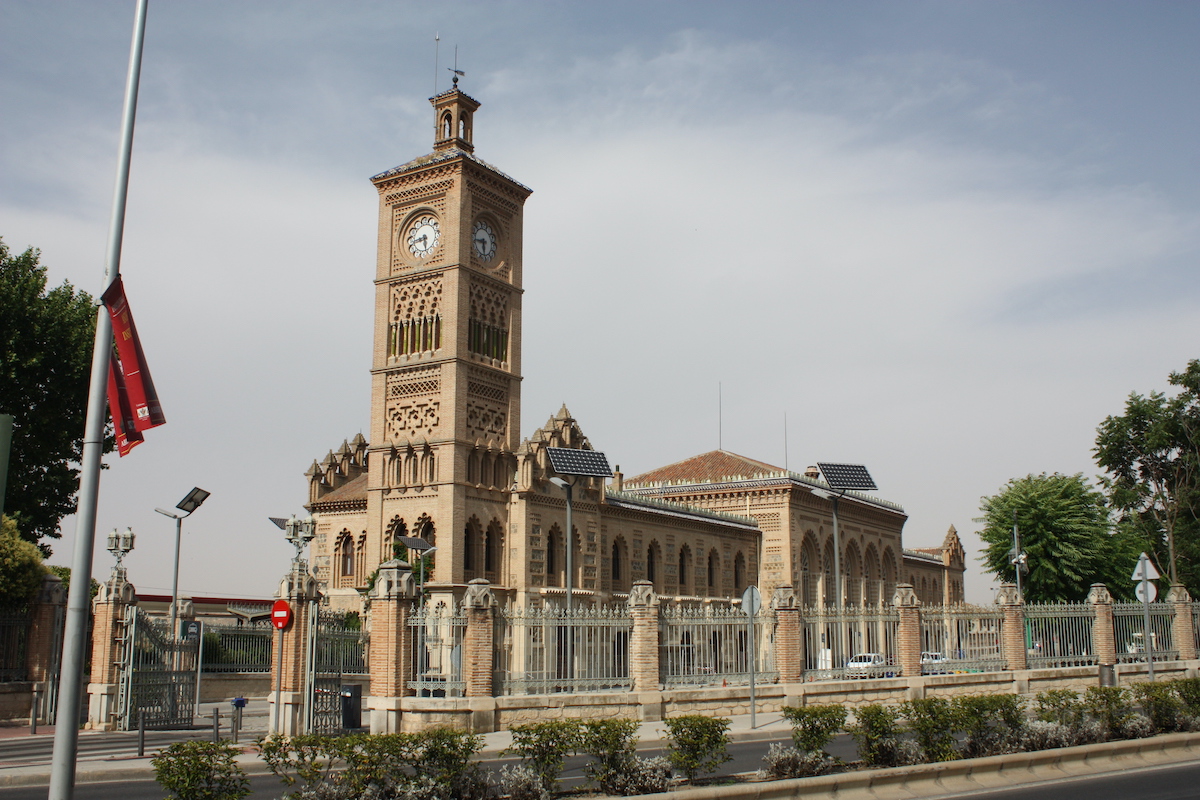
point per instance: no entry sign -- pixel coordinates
(281, 614)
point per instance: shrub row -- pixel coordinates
(437, 763)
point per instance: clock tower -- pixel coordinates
(446, 373)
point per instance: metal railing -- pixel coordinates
(14, 636)
(1059, 635)
(961, 639)
(437, 636)
(1129, 632)
(546, 650)
(870, 634)
(238, 648)
(702, 646)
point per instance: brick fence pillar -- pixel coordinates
(1012, 628)
(908, 635)
(299, 589)
(108, 641)
(643, 642)
(479, 606)
(1182, 628)
(1103, 640)
(43, 652)
(390, 663)
(789, 655)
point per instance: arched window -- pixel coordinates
(685, 567)
(343, 559)
(430, 468)
(714, 569)
(616, 562)
(447, 126)
(653, 559)
(473, 467)
(391, 538)
(469, 550)
(739, 574)
(553, 542)
(491, 550)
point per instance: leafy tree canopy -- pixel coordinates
(1065, 532)
(1152, 456)
(21, 569)
(45, 362)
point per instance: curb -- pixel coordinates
(955, 777)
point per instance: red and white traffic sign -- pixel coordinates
(281, 614)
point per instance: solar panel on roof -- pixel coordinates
(589, 463)
(847, 476)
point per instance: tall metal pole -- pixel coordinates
(175, 581)
(839, 640)
(570, 539)
(1016, 551)
(6, 429)
(66, 733)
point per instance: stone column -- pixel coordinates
(392, 599)
(789, 652)
(299, 589)
(643, 642)
(1103, 640)
(908, 635)
(108, 641)
(1182, 629)
(43, 649)
(1012, 629)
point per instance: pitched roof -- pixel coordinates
(352, 491)
(715, 465)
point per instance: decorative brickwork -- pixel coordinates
(908, 632)
(1012, 630)
(1103, 640)
(643, 642)
(479, 606)
(108, 637)
(300, 591)
(1181, 623)
(789, 652)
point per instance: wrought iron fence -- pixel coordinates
(700, 646)
(857, 643)
(961, 639)
(546, 650)
(1129, 632)
(437, 636)
(1059, 635)
(14, 635)
(238, 648)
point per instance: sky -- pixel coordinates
(941, 239)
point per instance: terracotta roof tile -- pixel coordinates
(712, 466)
(355, 490)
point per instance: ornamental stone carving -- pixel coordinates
(116, 590)
(784, 597)
(905, 597)
(394, 581)
(299, 586)
(479, 595)
(1007, 595)
(642, 594)
(1178, 594)
(1098, 595)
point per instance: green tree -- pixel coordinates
(45, 362)
(1151, 454)
(1065, 532)
(21, 569)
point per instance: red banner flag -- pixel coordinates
(146, 411)
(128, 436)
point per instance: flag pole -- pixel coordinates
(66, 732)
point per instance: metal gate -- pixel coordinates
(159, 675)
(336, 649)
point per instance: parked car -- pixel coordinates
(933, 657)
(862, 665)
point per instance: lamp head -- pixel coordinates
(195, 498)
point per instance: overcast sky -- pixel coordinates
(945, 239)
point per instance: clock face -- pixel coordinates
(423, 236)
(483, 239)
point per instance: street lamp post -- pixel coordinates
(194, 499)
(119, 544)
(579, 464)
(841, 478)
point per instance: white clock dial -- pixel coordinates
(423, 236)
(484, 241)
